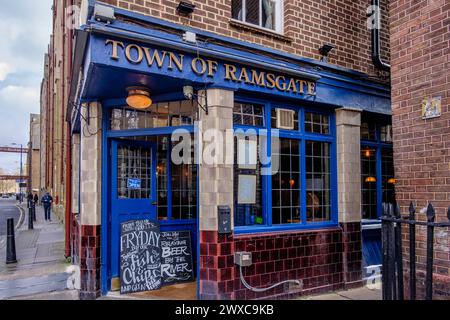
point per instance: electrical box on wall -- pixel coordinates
(224, 219)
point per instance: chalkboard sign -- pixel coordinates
(176, 252)
(140, 256)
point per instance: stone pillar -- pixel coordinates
(348, 123)
(90, 200)
(216, 189)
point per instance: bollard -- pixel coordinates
(30, 219)
(11, 243)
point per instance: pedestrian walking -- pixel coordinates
(36, 199)
(47, 201)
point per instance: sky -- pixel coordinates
(25, 27)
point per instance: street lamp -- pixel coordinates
(20, 183)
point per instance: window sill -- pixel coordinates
(283, 229)
(253, 28)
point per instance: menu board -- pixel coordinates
(140, 256)
(176, 257)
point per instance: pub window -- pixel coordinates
(176, 185)
(165, 114)
(318, 175)
(247, 176)
(299, 189)
(286, 184)
(266, 14)
(388, 180)
(134, 176)
(368, 131)
(369, 183)
(377, 167)
(317, 123)
(248, 114)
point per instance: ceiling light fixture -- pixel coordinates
(139, 98)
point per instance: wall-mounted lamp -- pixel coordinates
(188, 92)
(139, 98)
(392, 181)
(371, 179)
(185, 8)
(325, 51)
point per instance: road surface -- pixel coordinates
(8, 210)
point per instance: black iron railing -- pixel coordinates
(392, 277)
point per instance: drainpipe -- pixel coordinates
(376, 41)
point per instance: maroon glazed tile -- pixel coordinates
(275, 277)
(279, 243)
(204, 274)
(225, 274)
(270, 243)
(260, 245)
(222, 262)
(265, 255)
(260, 268)
(250, 245)
(203, 249)
(239, 245)
(292, 253)
(287, 242)
(225, 249)
(283, 254)
(212, 275)
(212, 249)
(257, 256)
(208, 237)
(230, 261)
(270, 266)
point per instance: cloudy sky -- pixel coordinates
(25, 27)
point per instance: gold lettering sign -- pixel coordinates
(136, 54)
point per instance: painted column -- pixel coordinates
(216, 189)
(90, 200)
(348, 123)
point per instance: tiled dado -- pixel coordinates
(352, 242)
(90, 262)
(314, 257)
(325, 260)
(216, 266)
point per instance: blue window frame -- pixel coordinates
(300, 195)
(377, 167)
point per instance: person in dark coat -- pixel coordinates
(47, 201)
(36, 199)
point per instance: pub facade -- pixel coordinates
(166, 99)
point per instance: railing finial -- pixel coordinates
(412, 211)
(430, 212)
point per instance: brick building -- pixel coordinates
(420, 62)
(34, 158)
(119, 86)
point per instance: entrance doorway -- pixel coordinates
(146, 184)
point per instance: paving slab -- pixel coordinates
(42, 271)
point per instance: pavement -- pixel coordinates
(42, 272)
(364, 293)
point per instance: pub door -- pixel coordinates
(133, 191)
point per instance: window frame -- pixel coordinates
(302, 136)
(279, 17)
(378, 145)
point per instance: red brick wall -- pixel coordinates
(324, 260)
(307, 26)
(420, 62)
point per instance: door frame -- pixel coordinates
(107, 137)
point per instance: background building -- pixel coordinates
(420, 78)
(34, 157)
